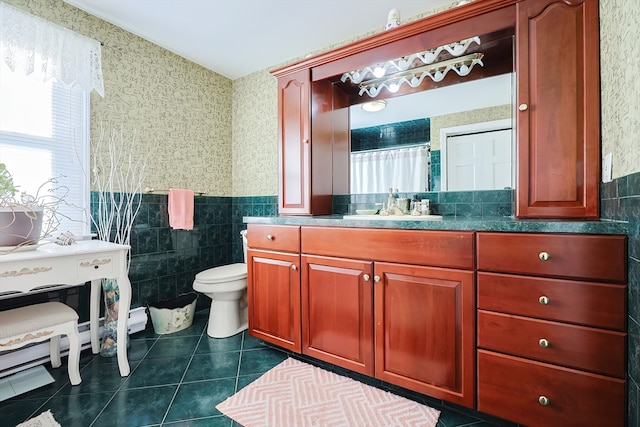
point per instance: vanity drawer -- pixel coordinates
(21, 275)
(513, 388)
(591, 349)
(95, 267)
(591, 304)
(434, 248)
(274, 237)
(580, 256)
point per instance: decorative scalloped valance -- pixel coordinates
(32, 45)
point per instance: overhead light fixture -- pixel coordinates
(414, 77)
(374, 106)
(405, 62)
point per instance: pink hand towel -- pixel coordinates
(181, 209)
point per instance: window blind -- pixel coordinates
(44, 135)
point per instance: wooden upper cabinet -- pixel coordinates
(294, 121)
(558, 109)
(301, 190)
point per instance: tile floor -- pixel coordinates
(176, 380)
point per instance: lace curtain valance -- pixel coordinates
(32, 45)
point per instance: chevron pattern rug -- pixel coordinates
(296, 394)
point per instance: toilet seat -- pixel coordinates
(225, 273)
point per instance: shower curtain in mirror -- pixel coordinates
(376, 171)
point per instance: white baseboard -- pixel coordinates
(23, 358)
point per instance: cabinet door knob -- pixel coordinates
(366, 277)
(544, 256)
(544, 400)
(523, 107)
(376, 278)
(293, 267)
(544, 343)
(543, 300)
(269, 237)
(306, 140)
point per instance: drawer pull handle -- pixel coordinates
(376, 278)
(269, 237)
(523, 107)
(294, 268)
(544, 343)
(544, 400)
(366, 277)
(543, 300)
(544, 256)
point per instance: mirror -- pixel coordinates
(453, 138)
(452, 134)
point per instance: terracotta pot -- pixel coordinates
(20, 225)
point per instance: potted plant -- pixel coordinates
(21, 215)
(25, 219)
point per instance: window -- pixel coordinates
(44, 134)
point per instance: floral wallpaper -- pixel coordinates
(218, 136)
(179, 112)
(620, 84)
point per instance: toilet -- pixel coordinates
(227, 287)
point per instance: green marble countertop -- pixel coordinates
(456, 223)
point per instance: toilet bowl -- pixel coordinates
(227, 287)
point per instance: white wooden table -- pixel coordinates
(88, 260)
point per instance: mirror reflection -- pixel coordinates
(452, 138)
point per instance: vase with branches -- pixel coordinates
(118, 172)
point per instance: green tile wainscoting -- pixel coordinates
(620, 200)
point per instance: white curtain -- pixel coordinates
(376, 171)
(32, 45)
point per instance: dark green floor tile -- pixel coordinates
(138, 349)
(159, 371)
(199, 399)
(77, 410)
(174, 347)
(217, 345)
(136, 407)
(97, 377)
(250, 342)
(245, 380)
(260, 360)
(213, 366)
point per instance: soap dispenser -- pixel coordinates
(391, 201)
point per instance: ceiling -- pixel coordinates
(238, 37)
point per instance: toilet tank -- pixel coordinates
(243, 233)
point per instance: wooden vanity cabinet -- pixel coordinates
(273, 284)
(411, 290)
(558, 117)
(551, 325)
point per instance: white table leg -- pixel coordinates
(94, 314)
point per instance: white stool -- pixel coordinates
(40, 322)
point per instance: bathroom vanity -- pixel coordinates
(523, 318)
(512, 318)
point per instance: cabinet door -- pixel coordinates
(424, 330)
(557, 62)
(294, 149)
(273, 297)
(337, 312)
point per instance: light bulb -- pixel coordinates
(394, 87)
(378, 71)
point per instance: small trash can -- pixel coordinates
(174, 314)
